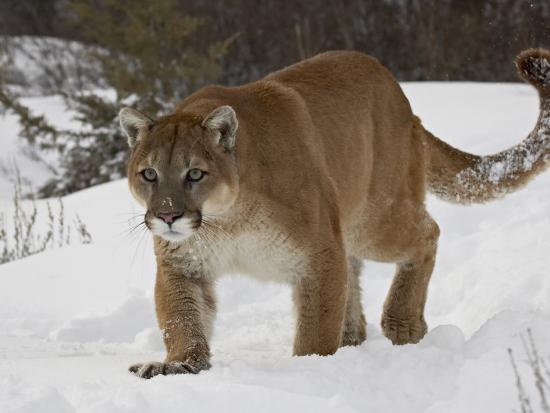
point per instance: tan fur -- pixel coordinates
(309, 171)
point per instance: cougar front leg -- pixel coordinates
(185, 311)
(320, 302)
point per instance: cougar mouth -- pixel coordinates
(177, 231)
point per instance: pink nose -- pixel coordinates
(169, 217)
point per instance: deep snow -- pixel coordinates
(73, 319)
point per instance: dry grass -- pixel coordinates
(541, 375)
(25, 237)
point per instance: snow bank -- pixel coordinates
(73, 319)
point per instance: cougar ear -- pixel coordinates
(224, 120)
(132, 123)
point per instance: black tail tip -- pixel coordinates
(534, 66)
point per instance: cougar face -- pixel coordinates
(182, 169)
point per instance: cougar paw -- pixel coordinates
(404, 331)
(354, 334)
(154, 368)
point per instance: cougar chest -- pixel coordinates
(268, 255)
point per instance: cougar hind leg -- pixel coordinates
(355, 325)
(403, 316)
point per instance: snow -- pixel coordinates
(73, 319)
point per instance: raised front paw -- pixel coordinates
(404, 331)
(154, 368)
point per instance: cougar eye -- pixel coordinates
(195, 175)
(149, 174)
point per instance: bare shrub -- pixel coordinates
(541, 375)
(25, 237)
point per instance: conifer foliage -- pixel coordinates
(147, 53)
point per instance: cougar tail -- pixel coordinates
(464, 178)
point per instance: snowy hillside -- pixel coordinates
(73, 319)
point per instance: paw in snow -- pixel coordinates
(404, 331)
(154, 368)
(355, 332)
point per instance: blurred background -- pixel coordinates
(97, 55)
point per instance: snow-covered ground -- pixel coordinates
(73, 319)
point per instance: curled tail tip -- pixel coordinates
(534, 66)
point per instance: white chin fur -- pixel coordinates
(181, 229)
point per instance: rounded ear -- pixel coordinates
(224, 120)
(132, 123)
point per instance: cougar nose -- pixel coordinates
(169, 217)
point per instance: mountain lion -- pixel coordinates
(299, 177)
